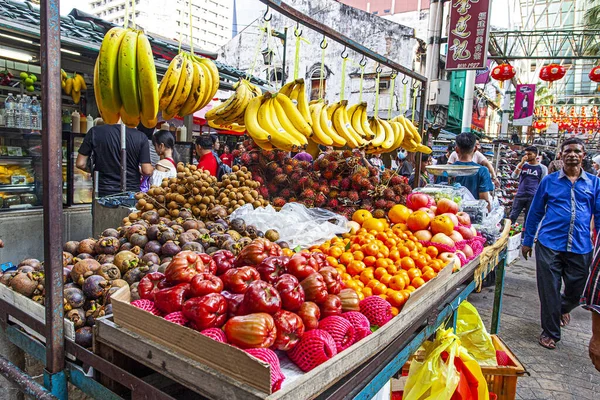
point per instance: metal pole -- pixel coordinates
(285, 30)
(26, 385)
(54, 375)
(423, 132)
(505, 111)
(434, 31)
(317, 26)
(123, 158)
(467, 116)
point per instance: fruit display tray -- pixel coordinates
(221, 371)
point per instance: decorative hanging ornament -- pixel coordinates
(552, 72)
(595, 74)
(540, 125)
(503, 72)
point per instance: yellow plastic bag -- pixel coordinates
(473, 335)
(475, 368)
(434, 379)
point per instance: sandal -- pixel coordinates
(547, 342)
(565, 319)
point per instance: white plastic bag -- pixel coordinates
(296, 224)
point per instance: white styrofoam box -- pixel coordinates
(514, 242)
(513, 255)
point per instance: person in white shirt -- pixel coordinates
(480, 159)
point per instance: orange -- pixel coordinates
(399, 214)
(361, 296)
(406, 294)
(407, 263)
(346, 258)
(371, 284)
(385, 279)
(410, 245)
(414, 273)
(345, 276)
(428, 275)
(392, 269)
(358, 255)
(411, 288)
(426, 268)
(385, 252)
(404, 251)
(351, 284)
(397, 299)
(397, 282)
(418, 220)
(361, 216)
(379, 288)
(420, 261)
(287, 252)
(437, 265)
(395, 311)
(379, 272)
(390, 243)
(367, 291)
(381, 263)
(389, 292)
(360, 284)
(355, 247)
(370, 249)
(332, 261)
(394, 255)
(355, 267)
(417, 282)
(383, 296)
(370, 261)
(374, 224)
(325, 246)
(366, 275)
(335, 251)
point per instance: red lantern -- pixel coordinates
(552, 72)
(595, 74)
(503, 72)
(539, 125)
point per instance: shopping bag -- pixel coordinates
(473, 335)
(472, 384)
(434, 378)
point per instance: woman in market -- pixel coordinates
(424, 178)
(404, 166)
(164, 144)
(227, 157)
(239, 149)
(596, 163)
(377, 162)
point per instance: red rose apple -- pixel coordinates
(290, 329)
(292, 294)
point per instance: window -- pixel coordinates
(277, 75)
(375, 12)
(315, 80)
(384, 83)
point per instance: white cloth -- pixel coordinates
(158, 176)
(477, 158)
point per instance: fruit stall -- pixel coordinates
(281, 278)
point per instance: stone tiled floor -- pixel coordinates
(565, 373)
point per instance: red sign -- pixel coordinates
(468, 38)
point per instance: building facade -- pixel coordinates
(211, 19)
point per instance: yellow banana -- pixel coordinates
(206, 97)
(286, 123)
(346, 119)
(327, 125)
(69, 86)
(147, 82)
(82, 83)
(149, 123)
(63, 84)
(107, 116)
(341, 128)
(278, 137)
(192, 99)
(240, 108)
(76, 83)
(294, 114)
(127, 68)
(183, 88)
(131, 121)
(108, 74)
(295, 92)
(214, 75)
(398, 133)
(63, 74)
(390, 137)
(364, 122)
(257, 132)
(379, 133)
(354, 116)
(169, 82)
(287, 88)
(423, 149)
(303, 103)
(76, 96)
(203, 82)
(319, 136)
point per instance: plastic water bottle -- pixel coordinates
(18, 112)
(36, 114)
(10, 106)
(26, 113)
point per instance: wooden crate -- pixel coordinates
(220, 371)
(33, 309)
(502, 380)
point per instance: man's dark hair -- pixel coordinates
(532, 149)
(147, 131)
(204, 141)
(466, 142)
(450, 148)
(425, 157)
(572, 141)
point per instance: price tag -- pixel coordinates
(14, 151)
(18, 180)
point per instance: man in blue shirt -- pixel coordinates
(480, 184)
(531, 173)
(561, 214)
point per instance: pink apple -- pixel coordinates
(468, 251)
(447, 257)
(446, 206)
(434, 209)
(473, 230)
(466, 233)
(442, 238)
(463, 254)
(428, 211)
(453, 217)
(463, 218)
(457, 237)
(424, 235)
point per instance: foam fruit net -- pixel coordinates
(315, 347)
(377, 310)
(270, 357)
(361, 324)
(146, 305)
(340, 329)
(215, 334)
(177, 318)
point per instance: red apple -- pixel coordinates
(463, 254)
(456, 236)
(453, 217)
(434, 209)
(463, 218)
(473, 230)
(428, 211)
(446, 206)
(468, 251)
(423, 234)
(466, 233)
(442, 238)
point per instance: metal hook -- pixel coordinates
(394, 74)
(344, 51)
(265, 15)
(378, 69)
(363, 62)
(404, 80)
(297, 31)
(416, 85)
(324, 43)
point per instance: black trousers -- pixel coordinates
(520, 203)
(554, 267)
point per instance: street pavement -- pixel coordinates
(565, 373)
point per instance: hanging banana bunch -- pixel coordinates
(72, 85)
(231, 112)
(412, 138)
(125, 83)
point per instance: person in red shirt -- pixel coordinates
(206, 158)
(227, 157)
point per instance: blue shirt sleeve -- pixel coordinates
(485, 181)
(536, 213)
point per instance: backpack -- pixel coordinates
(222, 169)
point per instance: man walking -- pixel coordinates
(531, 173)
(480, 184)
(591, 301)
(563, 207)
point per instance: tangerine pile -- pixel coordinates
(383, 260)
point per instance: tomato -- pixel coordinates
(366, 275)
(385, 279)
(428, 275)
(397, 299)
(379, 288)
(355, 267)
(392, 269)
(432, 251)
(336, 251)
(346, 258)
(358, 255)
(379, 272)
(369, 261)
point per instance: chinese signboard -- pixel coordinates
(468, 38)
(524, 100)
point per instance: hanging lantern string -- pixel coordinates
(344, 56)
(322, 75)
(362, 64)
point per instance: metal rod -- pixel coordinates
(123, 158)
(285, 30)
(53, 184)
(317, 26)
(26, 385)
